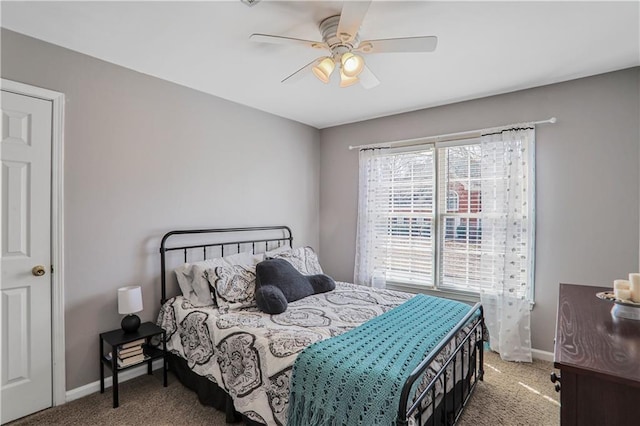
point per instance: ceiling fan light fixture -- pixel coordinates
(340, 37)
(346, 81)
(352, 65)
(324, 69)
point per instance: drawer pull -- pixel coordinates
(554, 377)
(557, 387)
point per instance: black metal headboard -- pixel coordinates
(217, 234)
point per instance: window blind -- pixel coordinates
(460, 221)
(404, 216)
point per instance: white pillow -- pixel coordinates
(183, 274)
(193, 281)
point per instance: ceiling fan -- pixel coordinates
(340, 39)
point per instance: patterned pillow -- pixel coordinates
(193, 281)
(304, 259)
(277, 250)
(234, 286)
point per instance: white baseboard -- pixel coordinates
(542, 355)
(90, 388)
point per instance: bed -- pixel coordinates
(241, 360)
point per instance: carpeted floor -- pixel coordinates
(511, 394)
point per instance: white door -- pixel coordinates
(25, 310)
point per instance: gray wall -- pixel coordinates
(144, 156)
(587, 180)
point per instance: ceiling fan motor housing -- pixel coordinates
(329, 31)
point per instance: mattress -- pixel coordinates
(250, 354)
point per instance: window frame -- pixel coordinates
(437, 289)
(456, 200)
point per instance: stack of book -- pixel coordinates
(131, 353)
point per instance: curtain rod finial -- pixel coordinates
(552, 120)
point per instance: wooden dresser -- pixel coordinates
(599, 360)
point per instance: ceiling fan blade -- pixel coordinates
(273, 39)
(302, 72)
(353, 13)
(399, 45)
(368, 79)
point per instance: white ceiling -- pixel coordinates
(484, 48)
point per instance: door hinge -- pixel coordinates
(52, 269)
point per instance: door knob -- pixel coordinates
(38, 270)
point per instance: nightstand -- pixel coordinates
(118, 338)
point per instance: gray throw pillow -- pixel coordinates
(279, 282)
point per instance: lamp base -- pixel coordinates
(130, 323)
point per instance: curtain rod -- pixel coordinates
(449, 136)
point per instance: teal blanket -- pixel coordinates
(356, 378)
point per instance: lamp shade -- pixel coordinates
(352, 65)
(324, 69)
(346, 81)
(129, 299)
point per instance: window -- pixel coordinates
(461, 229)
(453, 201)
(435, 220)
(404, 216)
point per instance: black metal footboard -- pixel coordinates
(424, 408)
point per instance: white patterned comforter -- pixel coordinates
(250, 354)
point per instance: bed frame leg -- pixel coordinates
(481, 343)
(481, 369)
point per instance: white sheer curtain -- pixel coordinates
(508, 197)
(370, 172)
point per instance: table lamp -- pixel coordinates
(130, 302)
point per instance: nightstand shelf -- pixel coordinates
(117, 338)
